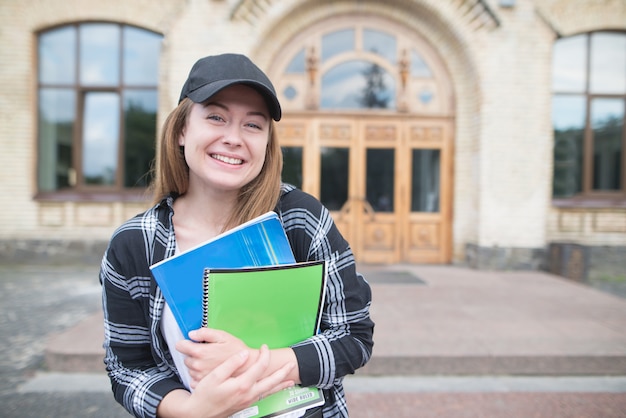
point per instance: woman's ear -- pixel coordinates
(181, 139)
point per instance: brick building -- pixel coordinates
(484, 132)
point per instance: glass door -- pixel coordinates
(386, 181)
(380, 203)
(427, 177)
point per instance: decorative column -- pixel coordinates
(404, 66)
(312, 102)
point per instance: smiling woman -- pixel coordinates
(219, 166)
(232, 129)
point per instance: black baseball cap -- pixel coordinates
(211, 74)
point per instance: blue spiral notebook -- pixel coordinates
(259, 242)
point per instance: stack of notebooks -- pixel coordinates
(247, 282)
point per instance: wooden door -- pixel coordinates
(377, 191)
(427, 185)
(386, 181)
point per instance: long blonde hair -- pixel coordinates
(171, 172)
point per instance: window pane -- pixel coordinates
(334, 181)
(608, 63)
(380, 179)
(337, 42)
(607, 122)
(380, 43)
(99, 54)
(568, 120)
(292, 166)
(57, 56)
(358, 85)
(425, 180)
(419, 68)
(569, 64)
(140, 112)
(90, 58)
(141, 57)
(101, 128)
(56, 124)
(297, 64)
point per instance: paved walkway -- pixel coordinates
(376, 397)
(464, 321)
(433, 320)
(449, 342)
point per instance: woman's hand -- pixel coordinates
(209, 349)
(227, 389)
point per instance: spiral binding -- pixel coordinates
(205, 296)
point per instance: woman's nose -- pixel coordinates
(232, 136)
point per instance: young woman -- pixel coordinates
(219, 165)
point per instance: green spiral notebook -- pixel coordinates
(275, 305)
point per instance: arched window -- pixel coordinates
(362, 67)
(588, 113)
(97, 106)
(358, 84)
(356, 66)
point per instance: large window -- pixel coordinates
(360, 68)
(97, 106)
(588, 108)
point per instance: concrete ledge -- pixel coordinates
(496, 366)
(455, 321)
(78, 349)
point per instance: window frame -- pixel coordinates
(299, 86)
(588, 197)
(81, 191)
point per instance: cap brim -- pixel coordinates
(203, 93)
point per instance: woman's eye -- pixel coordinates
(215, 118)
(254, 126)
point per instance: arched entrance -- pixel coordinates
(368, 129)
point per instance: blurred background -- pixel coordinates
(485, 135)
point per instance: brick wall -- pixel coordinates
(500, 80)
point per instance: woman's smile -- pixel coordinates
(227, 160)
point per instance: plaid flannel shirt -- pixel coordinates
(136, 356)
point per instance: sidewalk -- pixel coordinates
(444, 320)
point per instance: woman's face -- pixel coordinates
(225, 139)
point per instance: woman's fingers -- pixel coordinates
(208, 335)
(274, 382)
(233, 388)
(228, 368)
(217, 394)
(206, 350)
(282, 385)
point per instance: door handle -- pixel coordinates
(345, 209)
(368, 209)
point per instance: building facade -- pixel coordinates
(480, 132)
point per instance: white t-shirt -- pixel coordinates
(172, 333)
